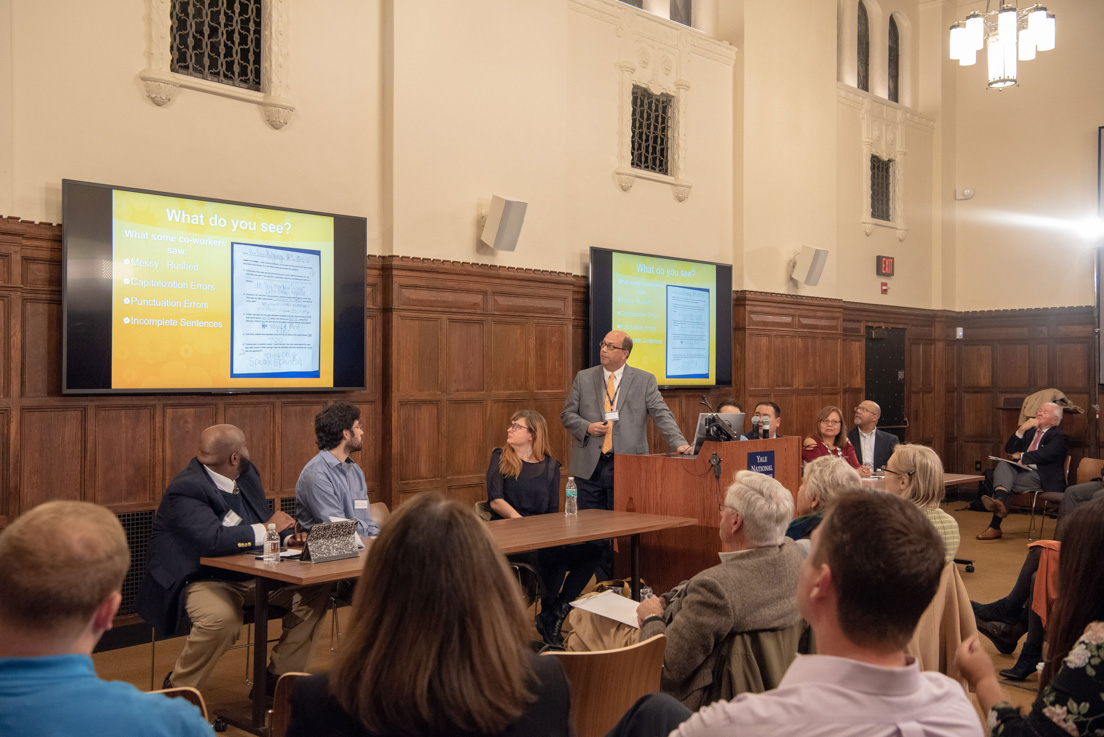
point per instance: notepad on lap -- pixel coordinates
(611, 605)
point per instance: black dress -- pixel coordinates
(314, 711)
(536, 490)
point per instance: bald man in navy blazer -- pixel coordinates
(634, 398)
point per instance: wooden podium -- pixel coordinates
(685, 486)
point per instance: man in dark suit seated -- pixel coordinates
(872, 446)
(1038, 444)
(216, 506)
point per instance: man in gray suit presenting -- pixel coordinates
(607, 413)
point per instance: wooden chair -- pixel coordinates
(280, 714)
(604, 684)
(1043, 502)
(188, 694)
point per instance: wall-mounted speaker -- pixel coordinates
(810, 265)
(503, 225)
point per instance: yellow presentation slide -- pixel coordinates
(212, 295)
(669, 308)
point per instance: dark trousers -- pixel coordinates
(597, 493)
(654, 715)
(565, 572)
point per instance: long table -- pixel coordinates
(511, 536)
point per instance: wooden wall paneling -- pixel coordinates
(978, 415)
(1040, 364)
(41, 333)
(469, 439)
(1072, 365)
(757, 363)
(1013, 366)
(417, 348)
(782, 357)
(510, 351)
(370, 456)
(807, 365)
(558, 438)
(258, 421)
(466, 356)
(7, 490)
(182, 425)
(420, 433)
(829, 363)
(49, 468)
(552, 358)
(297, 444)
(9, 332)
(124, 450)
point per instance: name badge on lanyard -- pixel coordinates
(612, 416)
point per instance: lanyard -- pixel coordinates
(616, 391)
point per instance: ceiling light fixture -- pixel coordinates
(1009, 35)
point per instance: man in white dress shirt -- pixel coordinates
(874, 567)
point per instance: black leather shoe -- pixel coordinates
(1004, 636)
(997, 611)
(1023, 668)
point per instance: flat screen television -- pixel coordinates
(173, 293)
(677, 311)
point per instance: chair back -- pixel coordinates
(948, 620)
(380, 513)
(1089, 469)
(604, 684)
(188, 694)
(281, 704)
(756, 661)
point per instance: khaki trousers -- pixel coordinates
(215, 608)
(588, 632)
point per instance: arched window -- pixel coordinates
(862, 80)
(894, 65)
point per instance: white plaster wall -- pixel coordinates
(1030, 153)
(78, 111)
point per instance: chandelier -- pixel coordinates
(1010, 35)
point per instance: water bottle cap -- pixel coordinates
(272, 528)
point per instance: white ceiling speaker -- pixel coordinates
(503, 225)
(809, 265)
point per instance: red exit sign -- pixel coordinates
(884, 265)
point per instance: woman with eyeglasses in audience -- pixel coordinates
(523, 480)
(436, 642)
(916, 473)
(1071, 686)
(830, 438)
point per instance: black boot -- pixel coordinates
(997, 611)
(1004, 636)
(553, 622)
(1027, 663)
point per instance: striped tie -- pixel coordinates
(611, 387)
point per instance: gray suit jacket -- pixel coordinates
(637, 397)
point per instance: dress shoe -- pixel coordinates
(1024, 667)
(1004, 636)
(994, 505)
(990, 533)
(997, 611)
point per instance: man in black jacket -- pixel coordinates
(216, 506)
(873, 447)
(1039, 447)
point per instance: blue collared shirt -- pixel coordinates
(330, 489)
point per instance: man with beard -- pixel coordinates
(332, 485)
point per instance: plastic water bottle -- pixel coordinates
(272, 545)
(571, 504)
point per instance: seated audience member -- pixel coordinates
(751, 589)
(765, 421)
(1073, 498)
(823, 479)
(523, 480)
(873, 447)
(1038, 444)
(216, 506)
(1071, 687)
(916, 473)
(830, 438)
(436, 641)
(1009, 618)
(731, 406)
(60, 587)
(874, 567)
(331, 485)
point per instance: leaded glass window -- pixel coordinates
(894, 60)
(651, 130)
(680, 11)
(881, 187)
(862, 80)
(218, 40)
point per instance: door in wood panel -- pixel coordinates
(885, 376)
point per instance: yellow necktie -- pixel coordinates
(611, 387)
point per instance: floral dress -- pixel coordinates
(1073, 701)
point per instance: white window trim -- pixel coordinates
(161, 84)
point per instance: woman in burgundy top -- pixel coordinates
(830, 438)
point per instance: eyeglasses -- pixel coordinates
(610, 346)
(864, 409)
(722, 507)
(897, 473)
(516, 426)
(830, 422)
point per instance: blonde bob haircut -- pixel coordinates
(510, 465)
(437, 637)
(61, 561)
(924, 474)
